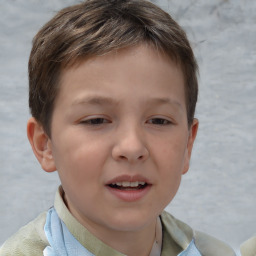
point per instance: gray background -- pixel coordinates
(218, 194)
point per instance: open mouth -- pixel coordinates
(126, 185)
(129, 191)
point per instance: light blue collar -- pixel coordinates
(63, 243)
(191, 250)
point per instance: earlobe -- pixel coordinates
(41, 145)
(191, 139)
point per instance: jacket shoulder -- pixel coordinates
(29, 240)
(248, 248)
(210, 246)
(183, 234)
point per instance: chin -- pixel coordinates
(129, 223)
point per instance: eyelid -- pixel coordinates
(89, 120)
(166, 120)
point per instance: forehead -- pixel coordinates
(126, 70)
(141, 49)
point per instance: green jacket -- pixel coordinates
(248, 248)
(31, 240)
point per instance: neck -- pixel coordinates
(136, 243)
(130, 243)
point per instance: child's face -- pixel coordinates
(121, 118)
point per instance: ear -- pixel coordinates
(192, 136)
(41, 145)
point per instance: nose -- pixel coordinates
(130, 146)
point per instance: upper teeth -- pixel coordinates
(129, 184)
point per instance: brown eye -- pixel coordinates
(95, 121)
(159, 121)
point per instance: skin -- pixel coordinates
(119, 114)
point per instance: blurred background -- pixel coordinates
(218, 194)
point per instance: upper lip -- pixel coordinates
(129, 178)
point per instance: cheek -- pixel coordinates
(80, 159)
(168, 187)
(80, 171)
(171, 153)
(74, 147)
(170, 161)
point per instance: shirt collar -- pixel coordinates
(171, 234)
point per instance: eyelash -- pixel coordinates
(100, 121)
(95, 121)
(160, 121)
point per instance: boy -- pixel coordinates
(113, 90)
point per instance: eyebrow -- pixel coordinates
(95, 100)
(165, 101)
(103, 100)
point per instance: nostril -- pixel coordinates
(130, 154)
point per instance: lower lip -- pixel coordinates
(130, 195)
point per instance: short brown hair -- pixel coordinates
(97, 27)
